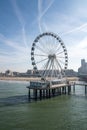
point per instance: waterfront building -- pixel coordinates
(29, 72)
(8, 73)
(82, 71)
(70, 73)
(83, 68)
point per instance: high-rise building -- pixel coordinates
(83, 68)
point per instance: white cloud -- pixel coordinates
(14, 56)
(21, 21)
(82, 27)
(10, 43)
(76, 53)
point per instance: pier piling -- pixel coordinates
(29, 96)
(48, 92)
(85, 89)
(69, 89)
(74, 87)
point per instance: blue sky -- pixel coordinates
(22, 20)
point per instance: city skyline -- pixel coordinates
(21, 21)
(83, 66)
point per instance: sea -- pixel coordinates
(64, 112)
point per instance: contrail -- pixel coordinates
(24, 38)
(75, 29)
(46, 9)
(20, 19)
(10, 43)
(18, 12)
(41, 14)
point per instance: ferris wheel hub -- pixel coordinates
(52, 56)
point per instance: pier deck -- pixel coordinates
(48, 92)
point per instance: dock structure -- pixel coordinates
(47, 89)
(74, 83)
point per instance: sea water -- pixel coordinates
(65, 112)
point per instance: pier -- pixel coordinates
(74, 83)
(42, 90)
(45, 90)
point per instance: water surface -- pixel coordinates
(66, 112)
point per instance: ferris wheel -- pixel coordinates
(49, 55)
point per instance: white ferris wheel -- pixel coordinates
(49, 55)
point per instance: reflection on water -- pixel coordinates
(14, 100)
(65, 112)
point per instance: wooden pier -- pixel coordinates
(48, 92)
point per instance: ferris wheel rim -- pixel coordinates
(49, 56)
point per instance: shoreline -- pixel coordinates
(19, 78)
(32, 78)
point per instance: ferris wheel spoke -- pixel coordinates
(60, 53)
(53, 44)
(45, 44)
(40, 55)
(41, 49)
(48, 45)
(58, 48)
(61, 61)
(41, 61)
(56, 44)
(62, 57)
(52, 41)
(42, 44)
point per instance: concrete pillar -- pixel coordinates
(65, 89)
(46, 93)
(49, 93)
(74, 88)
(43, 93)
(62, 89)
(85, 89)
(69, 89)
(58, 91)
(35, 94)
(53, 92)
(29, 96)
(40, 94)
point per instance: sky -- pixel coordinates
(21, 21)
